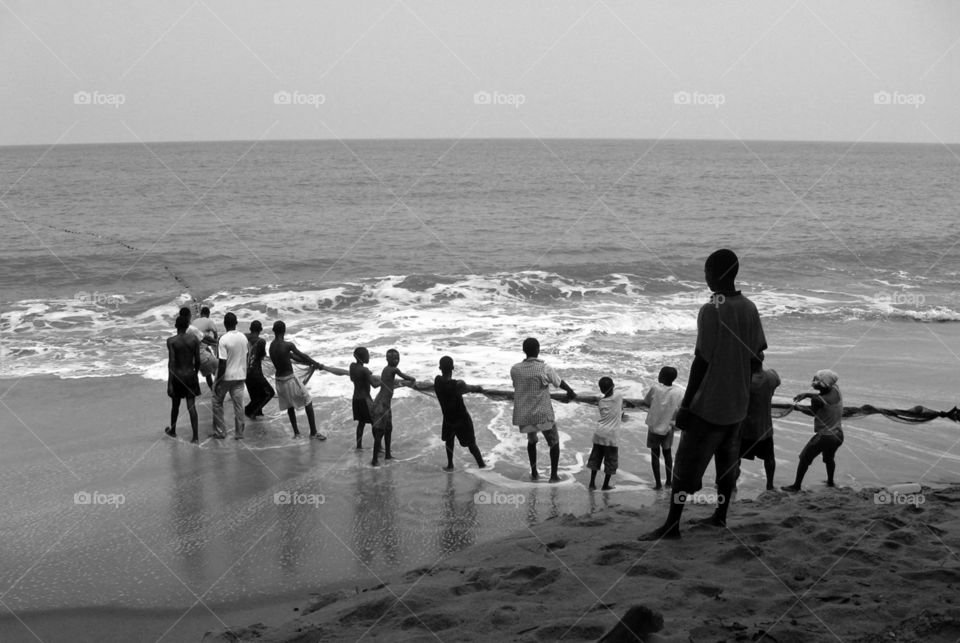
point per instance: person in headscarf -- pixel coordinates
(827, 405)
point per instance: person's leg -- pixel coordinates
(553, 439)
(174, 414)
(475, 452)
(360, 426)
(448, 445)
(728, 470)
(611, 460)
(693, 455)
(593, 463)
(268, 394)
(387, 435)
(236, 396)
(532, 454)
(254, 398)
(219, 428)
(311, 420)
(812, 449)
(769, 467)
(377, 444)
(194, 418)
(292, 414)
(668, 466)
(655, 463)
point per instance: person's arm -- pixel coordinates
(404, 376)
(298, 356)
(196, 358)
(463, 387)
(571, 395)
(336, 371)
(697, 372)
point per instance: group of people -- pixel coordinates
(724, 414)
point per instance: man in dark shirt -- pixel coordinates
(729, 338)
(457, 423)
(258, 387)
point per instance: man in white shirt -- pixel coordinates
(231, 375)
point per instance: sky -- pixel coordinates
(185, 70)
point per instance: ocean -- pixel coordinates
(437, 247)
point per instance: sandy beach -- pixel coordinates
(827, 564)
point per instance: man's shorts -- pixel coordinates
(361, 411)
(655, 440)
(548, 429)
(183, 386)
(821, 443)
(462, 430)
(291, 394)
(608, 455)
(762, 449)
(700, 442)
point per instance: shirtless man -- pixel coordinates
(183, 360)
(290, 392)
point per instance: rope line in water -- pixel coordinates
(913, 415)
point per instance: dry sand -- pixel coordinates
(823, 565)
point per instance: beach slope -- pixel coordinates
(826, 564)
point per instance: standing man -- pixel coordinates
(258, 388)
(183, 364)
(231, 375)
(756, 431)
(532, 408)
(290, 392)
(729, 338)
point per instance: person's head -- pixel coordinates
(205, 311)
(720, 270)
(185, 312)
(279, 328)
(446, 364)
(256, 326)
(361, 354)
(667, 375)
(531, 347)
(824, 380)
(182, 323)
(230, 321)
(606, 386)
(393, 357)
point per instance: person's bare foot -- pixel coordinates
(317, 436)
(592, 487)
(195, 441)
(607, 487)
(554, 479)
(375, 463)
(534, 475)
(657, 487)
(662, 533)
(170, 432)
(449, 467)
(791, 488)
(830, 483)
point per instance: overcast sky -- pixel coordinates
(175, 70)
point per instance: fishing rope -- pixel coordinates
(914, 415)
